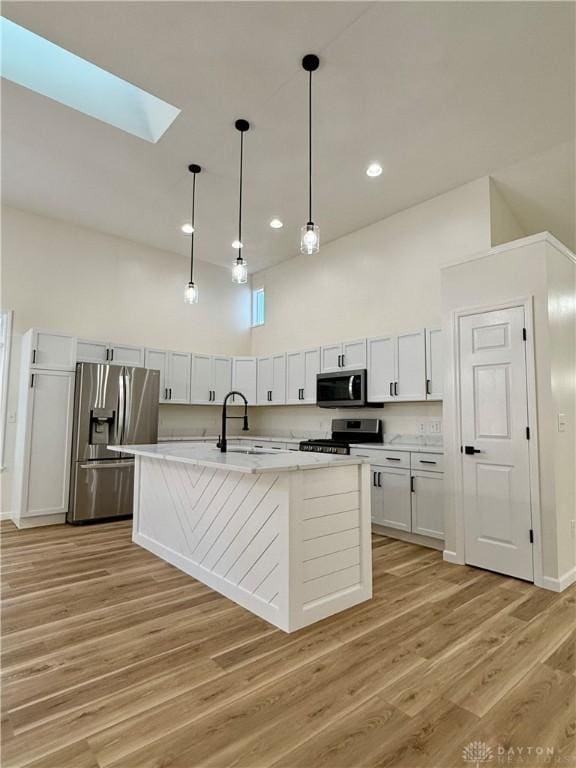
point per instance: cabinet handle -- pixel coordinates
(111, 354)
(339, 361)
(213, 395)
(170, 393)
(392, 458)
(423, 461)
(107, 353)
(32, 380)
(210, 396)
(411, 483)
(379, 479)
(374, 474)
(396, 388)
(391, 389)
(343, 363)
(33, 356)
(428, 387)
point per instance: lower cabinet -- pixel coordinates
(42, 451)
(410, 500)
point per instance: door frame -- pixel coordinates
(527, 303)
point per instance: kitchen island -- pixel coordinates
(286, 535)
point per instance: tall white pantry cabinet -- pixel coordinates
(44, 431)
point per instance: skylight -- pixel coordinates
(42, 66)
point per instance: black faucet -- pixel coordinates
(222, 442)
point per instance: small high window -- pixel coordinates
(258, 307)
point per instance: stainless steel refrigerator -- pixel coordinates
(113, 405)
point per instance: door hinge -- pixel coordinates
(527, 433)
(524, 337)
(531, 536)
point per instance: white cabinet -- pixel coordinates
(381, 368)
(48, 349)
(271, 380)
(301, 371)
(90, 351)
(174, 370)
(434, 364)
(42, 452)
(244, 372)
(428, 503)
(348, 355)
(211, 378)
(397, 367)
(391, 492)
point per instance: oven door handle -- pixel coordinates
(351, 387)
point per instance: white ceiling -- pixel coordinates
(439, 93)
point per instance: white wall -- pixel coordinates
(382, 278)
(519, 271)
(62, 277)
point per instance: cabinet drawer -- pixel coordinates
(268, 446)
(432, 462)
(383, 457)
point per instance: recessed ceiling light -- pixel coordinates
(373, 170)
(187, 228)
(237, 244)
(276, 224)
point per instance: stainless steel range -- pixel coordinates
(344, 433)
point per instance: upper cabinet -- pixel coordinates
(301, 371)
(52, 350)
(244, 373)
(211, 379)
(397, 368)
(348, 355)
(271, 380)
(174, 370)
(90, 351)
(434, 364)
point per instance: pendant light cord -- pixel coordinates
(240, 197)
(310, 147)
(192, 233)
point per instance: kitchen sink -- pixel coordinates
(251, 451)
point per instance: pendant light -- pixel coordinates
(191, 290)
(240, 268)
(310, 234)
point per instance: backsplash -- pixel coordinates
(299, 420)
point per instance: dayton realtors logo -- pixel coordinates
(477, 752)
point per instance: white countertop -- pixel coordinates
(245, 436)
(411, 447)
(209, 456)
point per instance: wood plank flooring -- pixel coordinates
(113, 659)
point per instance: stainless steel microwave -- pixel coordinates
(344, 389)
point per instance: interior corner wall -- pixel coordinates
(504, 226)
(513, 274)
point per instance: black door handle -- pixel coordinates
(470, 450)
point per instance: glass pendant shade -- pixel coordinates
(240, 271)
(310, 239)
(191, 293)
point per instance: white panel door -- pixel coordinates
(265, 380)
(411, 366)
(295, 378)
(331, 358)
(123, 354)
(53, 350)
(179, 377)
(201, 385)
(279, 379)
(495, 458)
(428, 504)
(48, 443)
(157, 359)
(381, 369)
(434, 364)
(312, 369)
(91, 351)
(395, 489)
(354, 354)
(244, 372)
(221, 378)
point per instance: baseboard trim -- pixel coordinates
(36, 521)
(451, 557)
(6, 515)
(410, 538)
(559, 585)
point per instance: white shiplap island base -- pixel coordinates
(286, 536)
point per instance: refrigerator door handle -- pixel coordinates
(121, 408)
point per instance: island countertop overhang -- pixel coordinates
(233, 461)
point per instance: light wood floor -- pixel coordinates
(113, 659)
